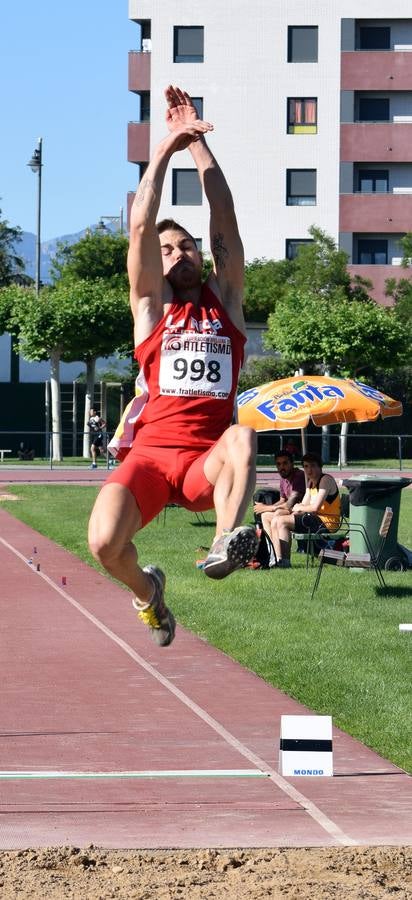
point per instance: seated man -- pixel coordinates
(25, 453)
(292, 490)
(319, 509)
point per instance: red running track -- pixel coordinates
(84, 691)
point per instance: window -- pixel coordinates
(198, 103)
(302, 115)
(188, 43)
(142, 168)
(144, 106)
(374, 37)
(302, 43)
(186, 188)
(373, 181)
(301, 187)
(293, 244)
(146, 28)
(372, 252)
(373, 109)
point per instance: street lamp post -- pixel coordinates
(35, 164)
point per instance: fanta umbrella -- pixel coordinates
(294, 402)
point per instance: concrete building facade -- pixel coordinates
(312, 108)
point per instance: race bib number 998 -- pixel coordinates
(193, 365)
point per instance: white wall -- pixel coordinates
(245, 80)
(34, 372)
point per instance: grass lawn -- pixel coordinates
(341, 654)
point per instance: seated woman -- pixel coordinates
(319, 509)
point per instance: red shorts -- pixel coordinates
(157, 476)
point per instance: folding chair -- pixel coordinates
(200, 517)
(370, 560)
(311, 537)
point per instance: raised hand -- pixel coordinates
(181, 136)
(181, 111)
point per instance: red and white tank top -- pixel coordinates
(189, 370)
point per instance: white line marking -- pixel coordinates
(327, 824)
(154, 773)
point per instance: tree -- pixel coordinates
(99, 257)
(101, 325)
(401, 290)
(99, 254)
(7, 300)
(11, 265)
(346, 337)
(265, 283)
(319, 266)
(40, 325)
(262, 369)
(69, 322)
(342, 336)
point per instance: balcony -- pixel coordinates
(139, 70)
(380, 212)
(138, 142)
(376, 70)
(376, 142)
(378, 275)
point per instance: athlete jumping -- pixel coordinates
(189, 340)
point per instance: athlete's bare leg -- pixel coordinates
(231, 468)
(114, 521)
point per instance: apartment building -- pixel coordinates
(312, 108)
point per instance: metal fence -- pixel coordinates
(353, 449)
(38, 447)
(20, 446)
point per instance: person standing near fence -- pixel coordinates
(96, 425)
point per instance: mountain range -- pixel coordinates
(26, 248)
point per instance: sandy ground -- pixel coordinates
(363, 873)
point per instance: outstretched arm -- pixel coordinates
(144, 262)
(225, 242)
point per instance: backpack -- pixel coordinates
(265, 553)
(267, 496)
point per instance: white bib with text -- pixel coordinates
(195, 365)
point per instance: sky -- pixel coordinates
(63, 72)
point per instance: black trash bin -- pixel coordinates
(369, 495)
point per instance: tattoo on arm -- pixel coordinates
(145, 185)
(219, 250)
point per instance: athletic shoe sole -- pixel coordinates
(240, 549)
